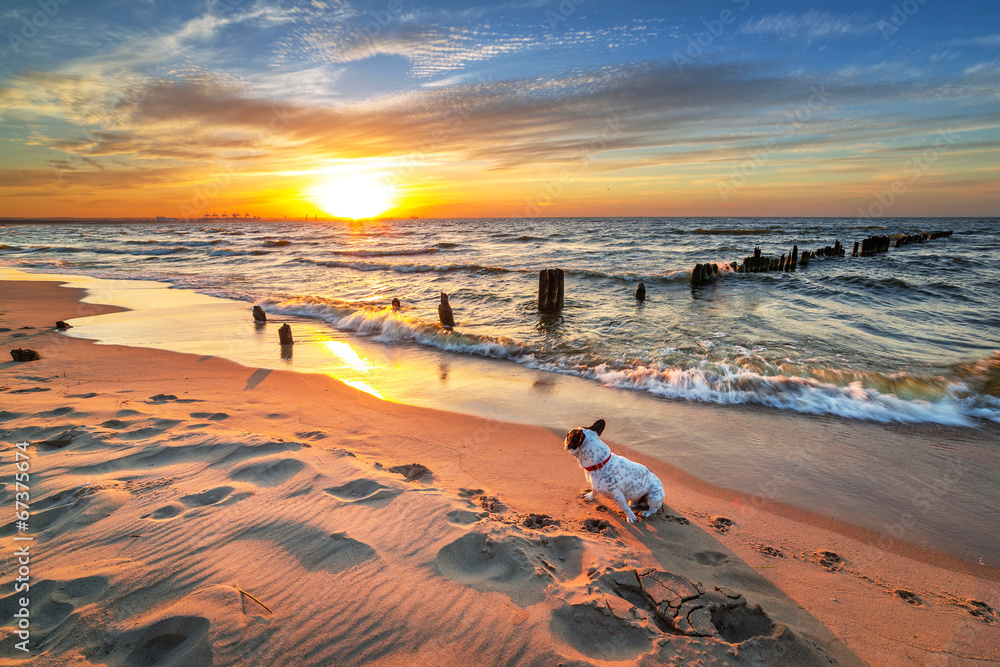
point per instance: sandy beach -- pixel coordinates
(187, 510)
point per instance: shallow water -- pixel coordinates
(910, 335)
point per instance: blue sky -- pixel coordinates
(731, 107)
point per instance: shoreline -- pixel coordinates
(766, 450)
(532, 476)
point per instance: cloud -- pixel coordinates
(984, 40)
(435, 50)
(708, 114)
(811, 26)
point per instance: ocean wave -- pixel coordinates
(737, 232)
(389, 326)
(276, 243)
(150, 252)
(956, 401)
(230, 252)
(401, 252)
(726, 384)
(406, 268)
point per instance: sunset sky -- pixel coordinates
(523, 108)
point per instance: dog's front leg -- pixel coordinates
(619, 499)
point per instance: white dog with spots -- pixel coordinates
(612, 476)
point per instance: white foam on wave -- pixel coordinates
(387, 326)
(729, 385)
(719, 383)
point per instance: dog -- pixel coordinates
(613, 476)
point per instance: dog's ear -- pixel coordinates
(576, 437)
(598, 427)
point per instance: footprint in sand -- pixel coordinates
(768, 550)
(721, 524)
(977, 608)
(312, 435)
(206, 498)
(87, 395)
(159, 399)
(56, 600)
(463, 517)
(711, 558)
(164, 513)
(591, 631)
(412, 472)
(539, 521)
(514, 566)
(909, 597)
(828, 559)
(7, 416)
(268, 473)
(596, 525)
(178, 640)
(30, 390)
(57, 412)
(210, 416)
(115, 424)
(59, 509)
(365, 492)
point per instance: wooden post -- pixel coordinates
(551, 290)
(640, 292)
(285, 335)
(396, 305)
(444, 312)
(258, 314)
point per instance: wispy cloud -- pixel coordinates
(812, 26)
(983, 40)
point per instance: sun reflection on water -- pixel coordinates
(352, 360)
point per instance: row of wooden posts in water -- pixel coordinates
(702, 274)
(551, 282)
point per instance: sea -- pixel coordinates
(908, 336)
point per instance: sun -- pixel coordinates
(354, 196)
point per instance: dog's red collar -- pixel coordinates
(598, 466)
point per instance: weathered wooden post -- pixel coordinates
(444, 312)
(640, 292)
(285, 335)
(551, 291)
(258, 314)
